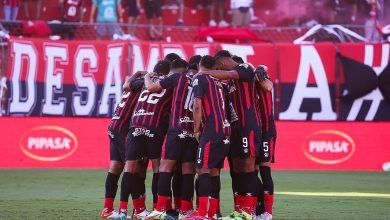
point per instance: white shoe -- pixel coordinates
(264, 216)
(212, 23)
(142, 215)
(223, 23)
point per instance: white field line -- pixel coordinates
(337, 194)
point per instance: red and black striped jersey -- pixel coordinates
(72, 10)
(14, 3)
(181, 118)
(243, 96)
(266, 111)
(152, 110)
(120, 122)
(214, 117)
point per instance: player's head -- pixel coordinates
(193, 63)
(171, 57)
(207, 63)
(162, 67)
(238, 59)
(224, 60)
(179, 66)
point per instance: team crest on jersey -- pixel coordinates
(226, 124)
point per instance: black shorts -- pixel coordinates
(141, 143)
(212, 151)
(179, 147)
(117, 146)
(245, 143)
(132, 8)
(267, 150)
(153, 8)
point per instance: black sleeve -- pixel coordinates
(245, 71)
(137, 85)
(199, 85)
(169, 82)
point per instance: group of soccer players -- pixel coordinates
(186, 118)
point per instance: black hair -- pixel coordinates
(171, 57)
(179, 63)
(162, 67)
(222, 53)
(208, 62)
(195, 59)
(238, 59)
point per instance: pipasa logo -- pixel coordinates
(328, 147)
(48, 143)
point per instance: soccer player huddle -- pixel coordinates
(186, 118)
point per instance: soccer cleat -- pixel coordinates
(122, 216)
(265, 216)
(217, 215)
(195, 216)
(245, 216)
(109, 214)
(185, 215)
(142, 215)
(233, 215)
(157, 215)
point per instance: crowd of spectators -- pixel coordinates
(223, 13)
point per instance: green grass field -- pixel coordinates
(78, 194)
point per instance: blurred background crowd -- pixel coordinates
(113, 15)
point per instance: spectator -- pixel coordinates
(180, 4)
(370, 9)
(10, 9)
(3, 95)
(241, 16)
(107, 17)
(71, 11)
(27, 4)
(153, 9)
(220, 6)
(133, 8)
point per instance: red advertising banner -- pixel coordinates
(83, 143)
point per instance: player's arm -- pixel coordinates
(199, 88)
(127, 85)
(222, 74)
(197, 111)
(263, 78)
(150, 85)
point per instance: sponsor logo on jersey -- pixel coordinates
(142, 112)
(186, 119)
(142, 131)
(48, 143)
(186, 134)
(328, 147)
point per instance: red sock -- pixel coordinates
(212, 207)
(203, 203)
(162, 203)
(186, 206)
(237, 202)
(109, 204)
(176, 201)
(139, 205)
(169, 204)
(197, 202)
(123, 206)
(218, 205)
(268, 203)
(154, 206)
